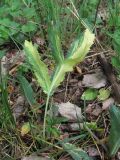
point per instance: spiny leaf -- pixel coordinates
(76, 153)
(80, 47)
(39, 68)
(78, 53)
(114, 138)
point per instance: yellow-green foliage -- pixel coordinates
(77, 53)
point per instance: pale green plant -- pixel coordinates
(76, 54)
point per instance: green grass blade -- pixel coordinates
(114, 138)
(55, 41)
(27, 89)
(54, 29)
(6, 112)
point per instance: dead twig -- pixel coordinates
(107, 68)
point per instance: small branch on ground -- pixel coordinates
(107, 68)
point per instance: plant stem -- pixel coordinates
(94, 137)
(45, 115)
(97, 11)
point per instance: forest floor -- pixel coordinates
(84, 97)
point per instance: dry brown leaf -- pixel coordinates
(18, 107)
(78, 69)
(93, 110)
(70, 111)
(97, 110)
(92, 151)
(38, 40)
(96, 80)
(107, 103)
(35, 158)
